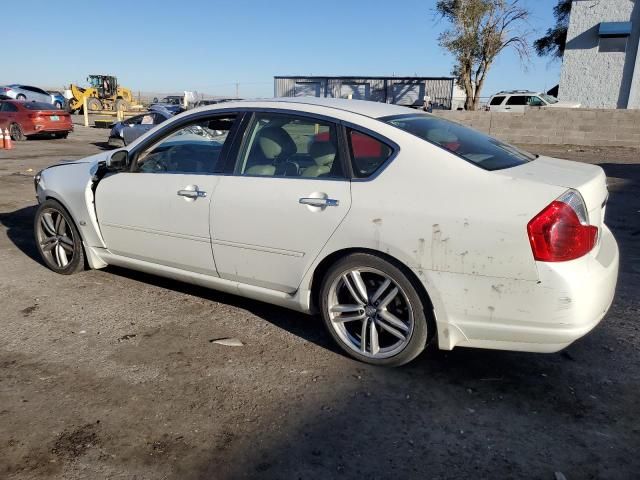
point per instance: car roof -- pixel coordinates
(361, 107)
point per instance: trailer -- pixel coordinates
(406, 91)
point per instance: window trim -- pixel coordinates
(376, 136)
(243, 143)
(169, 130)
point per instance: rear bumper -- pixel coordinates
(567, 302)
(49, 127)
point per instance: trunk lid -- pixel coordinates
(589, 180)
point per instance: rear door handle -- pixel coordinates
(319, 202)
(192, 193)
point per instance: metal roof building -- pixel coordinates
(407, 91)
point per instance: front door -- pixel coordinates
(287, 195)
(159, 211)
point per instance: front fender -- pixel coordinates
(71, 185)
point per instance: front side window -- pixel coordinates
(367, 153)
(497, 101)
(8, 107)
(195, 148)
(289, 146)
(535, 102)
(469, 144)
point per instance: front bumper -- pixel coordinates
(567, 302)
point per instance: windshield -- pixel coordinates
(471, 145)
(549, 98)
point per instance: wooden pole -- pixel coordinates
(85, 109)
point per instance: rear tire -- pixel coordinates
(391, 318)
(57, 239)
(21, 97)
(121, 104)
(62, 135)
(16, 133)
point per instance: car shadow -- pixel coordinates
(103, 145)
(19, 224)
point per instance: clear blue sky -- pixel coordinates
(207, 46)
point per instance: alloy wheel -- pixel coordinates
(370, 313)
(55, 237)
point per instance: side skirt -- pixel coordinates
(299, 301)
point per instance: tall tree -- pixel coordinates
(480, 30)
(552, 44)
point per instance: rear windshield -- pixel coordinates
(471, 145)
(38, 106)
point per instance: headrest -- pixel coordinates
(276, 142)
(323, 153)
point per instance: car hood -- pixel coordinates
(563, 104)
(92, 160)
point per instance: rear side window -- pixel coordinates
(517, 100)
(38, 106)
(367, 153)
(496, 100)
(8, 107)
(471, 145)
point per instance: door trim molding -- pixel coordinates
(157, 232)
(260, 248)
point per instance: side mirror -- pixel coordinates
(118, 161)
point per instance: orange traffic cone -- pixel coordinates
(7, 140)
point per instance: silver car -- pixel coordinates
(26, 92)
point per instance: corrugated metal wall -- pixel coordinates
(409, 91)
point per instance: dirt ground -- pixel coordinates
(113, 374)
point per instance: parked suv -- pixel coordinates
(517, 100)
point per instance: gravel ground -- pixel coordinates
(113, 374)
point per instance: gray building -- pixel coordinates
(408, 91)
(601, 65)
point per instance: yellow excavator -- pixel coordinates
(103, 93)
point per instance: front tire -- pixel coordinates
(57, 239)
(21, 97)
(373, 311)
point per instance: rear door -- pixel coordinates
(516, 103)
(283, 198)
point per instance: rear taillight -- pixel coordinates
(560, 232)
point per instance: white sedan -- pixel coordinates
(397, 226)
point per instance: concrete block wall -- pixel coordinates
(556, 126)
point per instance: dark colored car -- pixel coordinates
(58, 100)
(125, 132)
(24, 119)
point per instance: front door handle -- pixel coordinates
(192, 193)
(319, 202)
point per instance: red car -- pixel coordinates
(24, 119)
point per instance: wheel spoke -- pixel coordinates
(373, 338)
(353, 293)
(390, 296)
(357, 310)
(61, 225)
(360, 286)
(47, 224)
(66, 247)
(61, 256)
(391, 330)
(393, 320)
(363, 336)
(381, 289)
